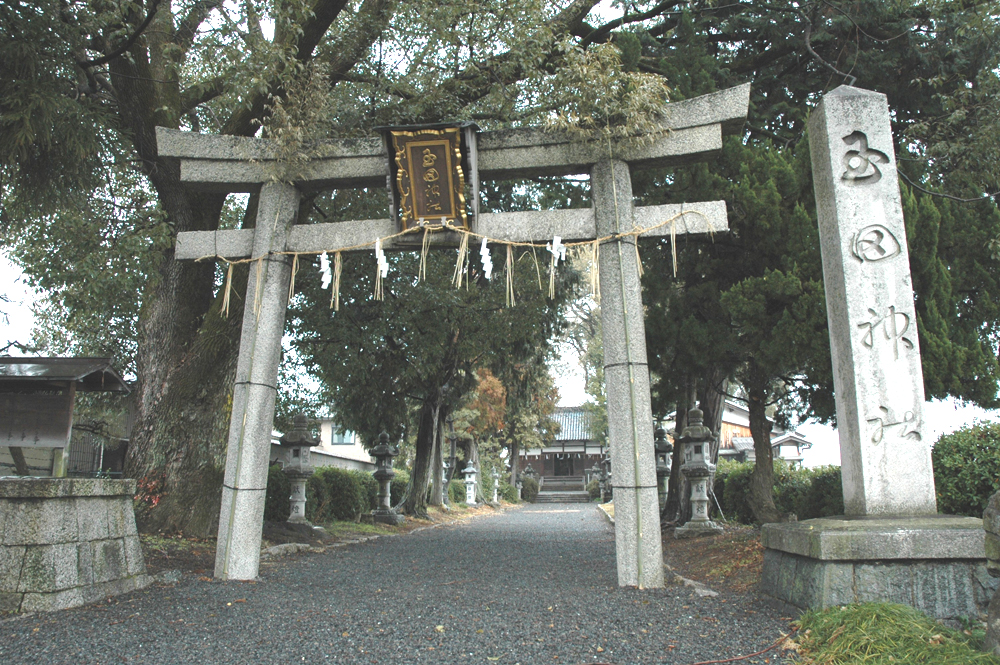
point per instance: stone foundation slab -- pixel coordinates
(67, 542)
(934, 564)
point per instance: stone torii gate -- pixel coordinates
(233, 164)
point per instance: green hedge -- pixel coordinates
(967, 469)
(529, 489)
(594, 489)
(334, 494)
(276, 503)
(808, 493)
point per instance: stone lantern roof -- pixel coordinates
(300, 436)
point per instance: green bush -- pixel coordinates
(456, 491)
(529, 489)
(967, 469)
(397, 488)
(334, 494)
(808, 493)
(732, 480)
(594, 489)
(276, 498)
(508, 492)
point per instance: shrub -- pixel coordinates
(397, 488)
(825, 495)
(594, 489)
(967, 469)
(808, 493)
(456, 491)
(529, 489)
(276, 503)
(732, 481)
(334, 494)
(508, 492)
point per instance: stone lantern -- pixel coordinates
(446, 495)
(697, 440)
(663, 449)
(496, 485)
(296, 445)
(470, 483)
(384, 473)
(607, 491)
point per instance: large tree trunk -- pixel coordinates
(761, 486)
(416, 501)
(186, 363)
(678, 496)
(437, 466)
(515, 452)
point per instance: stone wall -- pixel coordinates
(67, 542)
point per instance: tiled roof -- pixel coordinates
(742, 443)
(574, 424)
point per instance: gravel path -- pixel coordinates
(533, 585)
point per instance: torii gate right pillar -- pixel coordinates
(626, 380)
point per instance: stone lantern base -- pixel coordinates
(383, 517)
(694, 529)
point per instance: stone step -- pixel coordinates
(562, 497)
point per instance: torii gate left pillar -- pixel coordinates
(230, 164)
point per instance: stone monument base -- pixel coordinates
(936, 564)
(696, 529)
(67, 542)
(383, 517)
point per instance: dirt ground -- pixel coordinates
(732, 560)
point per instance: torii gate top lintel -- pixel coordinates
(218, 163)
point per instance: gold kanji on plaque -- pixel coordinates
(429, 179)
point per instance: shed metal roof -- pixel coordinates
(90, 374)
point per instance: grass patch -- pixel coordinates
(348, 529)
(884, 633)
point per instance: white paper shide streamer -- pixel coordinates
(487, 260)
(383, 263)
(324, 270)
(558, 251)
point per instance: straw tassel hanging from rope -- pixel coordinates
(228, 291)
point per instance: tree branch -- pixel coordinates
(189, 25)
(984, 197)
(203, 92)
(601, 33)
(851, 79)
(127, 44)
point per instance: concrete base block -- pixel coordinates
(929, 563)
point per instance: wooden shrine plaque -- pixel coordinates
(36, 419)
(429, 179)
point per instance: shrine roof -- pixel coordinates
(574, 424)
(90, 374)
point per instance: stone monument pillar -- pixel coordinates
(891, 545)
